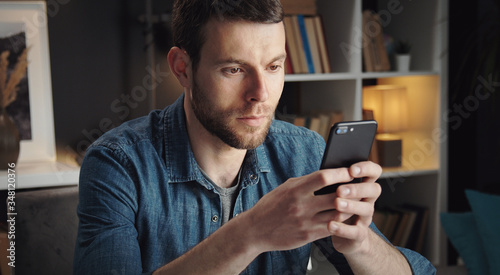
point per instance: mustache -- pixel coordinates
(256, 110)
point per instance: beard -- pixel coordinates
(217, 120)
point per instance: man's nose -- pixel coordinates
(258, 88)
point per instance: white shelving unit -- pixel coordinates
(422, 178)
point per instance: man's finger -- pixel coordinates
(325, 177)
(367, 170)
(367, 191)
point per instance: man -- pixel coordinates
(212, 184)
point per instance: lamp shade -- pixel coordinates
(389, 104)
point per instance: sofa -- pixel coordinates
(475, 234)
(46, 229)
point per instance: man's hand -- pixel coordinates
(291, 215)
(288, 217)
(366, 252)
(355, 207)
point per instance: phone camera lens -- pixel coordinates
(341, 130)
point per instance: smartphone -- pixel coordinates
(349, 142)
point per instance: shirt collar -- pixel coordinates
(179, 158)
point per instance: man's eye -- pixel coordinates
(233, 70)
(274, 67)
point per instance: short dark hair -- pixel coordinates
(191, 16)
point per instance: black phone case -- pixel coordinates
(348, 143)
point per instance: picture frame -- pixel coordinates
(30, 17)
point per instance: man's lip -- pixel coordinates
(253, 121)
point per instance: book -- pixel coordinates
(368, 54)
(315, 124)
(375, 56)
(301, 56)
(390, 224)
(319, 122)
(379, 218)
(300, 121)
(324, 126)
(321, 41)
(422, 231)
(404, 225)
(326, 121)
(305, 43)
(408, 228)
(416, 237)
(308, 122)
(313, 44)
(291, 45)
(401, 225)
(336, 116)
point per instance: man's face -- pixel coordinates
(239, 80)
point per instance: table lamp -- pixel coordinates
(389, 104)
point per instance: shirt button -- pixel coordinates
(215, 218)
(253, 177)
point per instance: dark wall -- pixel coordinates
(474, 103)
(99, 67)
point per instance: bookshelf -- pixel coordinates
(422, 178)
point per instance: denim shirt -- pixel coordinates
(144, 202)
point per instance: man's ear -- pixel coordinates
(179, 63)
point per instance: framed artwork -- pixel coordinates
(23, 29)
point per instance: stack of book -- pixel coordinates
(319, 122)
(375, 57)
(404, 226)
(306, 45)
